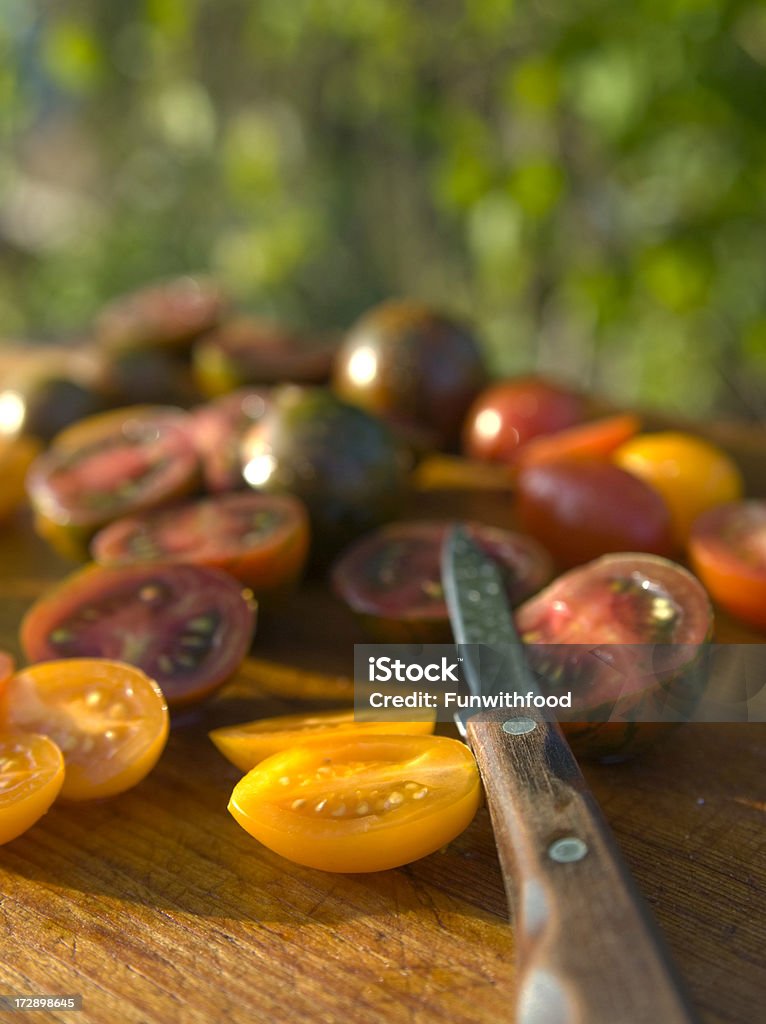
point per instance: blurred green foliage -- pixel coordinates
(585, 179)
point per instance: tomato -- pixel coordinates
(727, 548)
(109, 720)
(260, 539)
(507, 415)
(341, 462)
(366, 803)
(623, 634)
(31, 776)
(16, 456)
(410, 363)
(169, 314)
(596, 438)
(6, 668)
(392, 577)
(582, 508)
(49, 402)
(153, 375)
(219, 428)
(247, 744)
(692, 475)
(110, 466)
(186, 626)
(247, 351)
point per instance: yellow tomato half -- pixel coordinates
(31, 777)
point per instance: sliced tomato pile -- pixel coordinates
(260, 539)
(31, 777)
(109, 720)
(247, 744)
(367, 803)
(186, 626)
(392, 578)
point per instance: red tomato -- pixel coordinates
(109, 720)
(582, 508)
(186, 626)
(727, 548)
(507, 415)
(597, 438)
(260, 539)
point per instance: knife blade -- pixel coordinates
(589, 951)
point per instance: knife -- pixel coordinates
(589, 951)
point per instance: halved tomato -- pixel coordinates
(247, 744)
(260, 539)
(620, 633)
(727, 548)
(392, 578)
(31, 777)
(109, 466)
(109, 720)
(219, 428)
(598, 438)
(364, 804)
(186, 626)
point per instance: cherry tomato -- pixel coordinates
(186, 626)
(260, 539)
(169, 314)
(367, 803)
(597, 438)
(392, 578)
(16, 456)
(247, 744)
(248, 351)
(31, 776)
(107, 467)
(648, 618)
(727, 548)
(341, 462)
(412, 364)
(109, 720)
(582, 508)
(692, 475)
(507, 415)
(219, 428)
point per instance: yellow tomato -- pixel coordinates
(31, 776)
(366, 803)
(692, 475)
(247, 744)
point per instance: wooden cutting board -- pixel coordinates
(156, 907)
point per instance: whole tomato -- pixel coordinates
(508, 414)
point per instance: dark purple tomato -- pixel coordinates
(392, 578)
(169, 314)
(413, 365)
(249, 351)
(219, 427)
(260, 539)
(580, 508)
(508, 414)
(185, 626)
(624, 634)
(344, 464)
(49, 403)
(109, 466)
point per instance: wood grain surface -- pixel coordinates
(157, 907)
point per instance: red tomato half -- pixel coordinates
(185, 626)
(260, 539)
(507, 415)
(597, 438)
(727, 548)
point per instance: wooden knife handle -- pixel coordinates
(588, 949)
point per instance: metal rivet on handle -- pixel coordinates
(519, 726)
(567, 850)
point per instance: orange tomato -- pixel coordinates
(109, 719)
(366, 803)
(6, 668)
(31, 777)
(692, 475)
(247, 744)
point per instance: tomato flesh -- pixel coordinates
(247, 744)
(727, 549)
(109, 720)
(31, 777)
(260, 539)
(359, 805)
(186, 626)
